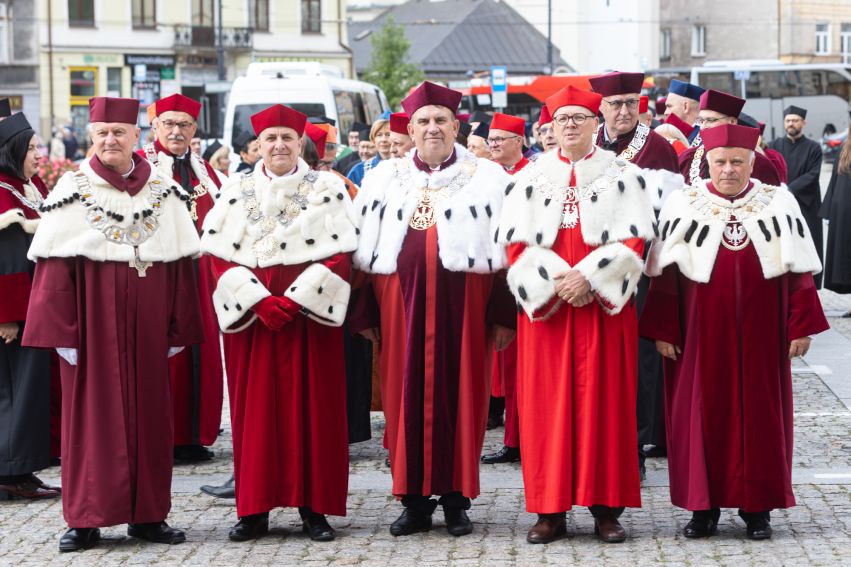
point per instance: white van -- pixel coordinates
(312, 88)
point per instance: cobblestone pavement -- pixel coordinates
(815, 532)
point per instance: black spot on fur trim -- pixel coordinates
(509, 234)
(490, 264)
(674, 226)
(594, 198)
(292, 288)
(372, 262)
(621, 186)
(547, 202)
(509, 187)
(381, 213)
(764, 229)
(211, 231)
(776, 226)
(660, 192)
(283, 245)
(800, 227)
(232, 201)
(363, 210)
(331, 309)
(604, 237)
(603, 263)
(474, 212)
(310, 242)
(327, 199)
(238, 307)
(519, 308)
(529, 190)
(357, 231)
(399, 214)
(703, 234)
(488, 211)
(789, 220)
(641, 181)
(236, 245)
(542, 271)
(539, 237)
(656, 229)
(690, 232)
(375, 203)
(319, 290)
(624, 286)
(470, 262)
(633, 230)
(335, 236)
(521, 291)
(448, 213)
(496, 235)
(254, 280)
(340, 196)
(226, 307)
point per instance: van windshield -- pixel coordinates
(242, 114)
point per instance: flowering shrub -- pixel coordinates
(51, 170)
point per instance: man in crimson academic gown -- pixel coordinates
(114, 292)
(803, 159)
(279, 239)
(505, 140)
(718, 108)
(637, 143)
(435, 306)
(731, 302)
(197, 382)
(575, 223)
(683, 101)
(621, 132)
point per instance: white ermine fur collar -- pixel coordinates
(16, 215)
(65, 232)
(466, 214)
(693, 221)
(611, 196)
(165, 163)
(303, 217)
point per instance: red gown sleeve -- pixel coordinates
(186, 327)
(660, 319)
(52, 314)
(806, 316)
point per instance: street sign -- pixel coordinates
(742, 75)
(499, 86)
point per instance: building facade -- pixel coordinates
(19, 56)
(148, 49)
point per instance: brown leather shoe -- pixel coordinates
(609, 529)
(547, 528)
(27, 489)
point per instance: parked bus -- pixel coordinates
(770, 86)
(312, 88)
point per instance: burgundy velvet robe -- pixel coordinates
(656, 153)
(197, 379)
(763, 168)
(435, 364)
(728, 397)
(287, 392)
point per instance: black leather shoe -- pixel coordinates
(226, 490)
(505, 455)
(315, 525)
(250, 527)
(192, 453)
(76, 539)
(703, 523)
(410, 522)
(457, 522)
(759, 528)
(156, 532)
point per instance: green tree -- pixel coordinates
(389, 67)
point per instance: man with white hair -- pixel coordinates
(732, 300)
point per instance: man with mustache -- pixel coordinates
(197, 382)
(803, 165)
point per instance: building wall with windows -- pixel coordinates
(148, 49)
(816, 31)
(19, 57)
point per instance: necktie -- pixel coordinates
(182, 168)
(612, 146)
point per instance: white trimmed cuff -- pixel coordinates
(323, 295)
(237, 291)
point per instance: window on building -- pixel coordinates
(822, 39)
(845, 43)
(4, 35)
(202, 13)
(258, 15)
(144, 14)
(83, 82)
(698, 40)
(311, 19)
(665, 44)
(113, 81)
(81, 12)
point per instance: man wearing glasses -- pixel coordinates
(717, 108)
(575, 223)
(197, 381)
(621, 131)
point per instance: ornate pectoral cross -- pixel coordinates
(136, 262)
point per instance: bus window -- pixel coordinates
(838, 85)
(809, 82)
(770, 84)
(345, 111)
(721, 81)
(373, 105)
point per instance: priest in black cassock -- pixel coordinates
(836, 209)
(803, 159)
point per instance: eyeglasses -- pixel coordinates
(546, 130)
(578, 119)
(170, 124)
(499, 140)
(631, 103)
(707, 121)
(324, 164)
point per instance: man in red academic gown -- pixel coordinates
(731, 302)
(505, 140)
(114, 292)
(433, 302)
(575, 223)
(718, 108)
(279, 238)
(621, 132)
(196, 373)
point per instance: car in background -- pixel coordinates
(831, 145)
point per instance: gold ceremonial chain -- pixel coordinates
(33, 203)
(424, 217)
(642, 131)
(694, 170)
(198, 190)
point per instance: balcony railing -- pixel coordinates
(205, 37)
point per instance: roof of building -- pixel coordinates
(450, 37)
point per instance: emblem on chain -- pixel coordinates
(266, 244)
(735, 236)
(424, 216)
(637, 142)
